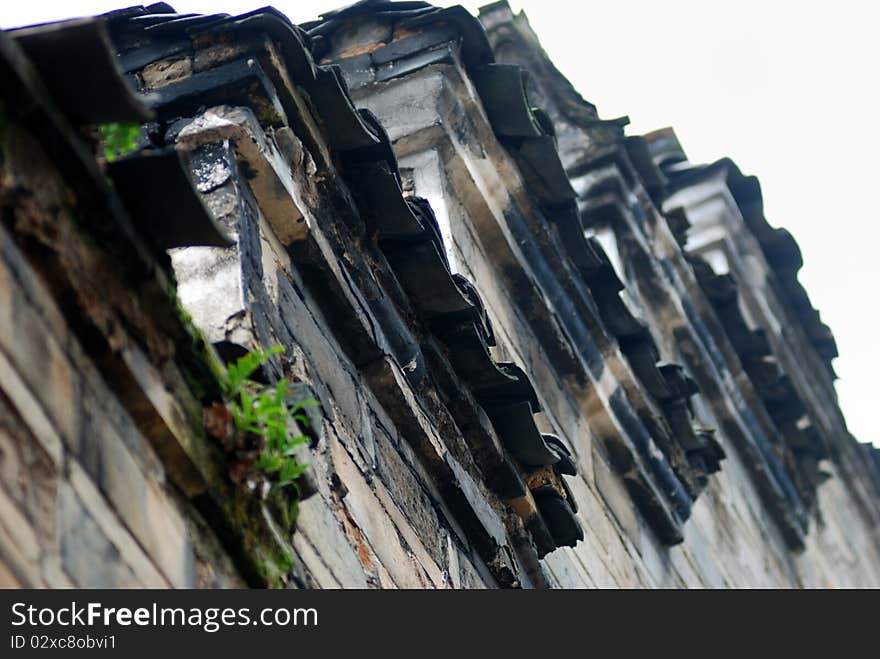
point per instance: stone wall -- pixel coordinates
(546, 354)
(87, 495)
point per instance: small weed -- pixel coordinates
(258, 433)
(118, 140)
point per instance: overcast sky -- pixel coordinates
(788, 89)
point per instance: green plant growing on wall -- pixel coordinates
(118, 140)
(258, 436)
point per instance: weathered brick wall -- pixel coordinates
(84, 498)
(472, 297)
(729, 541)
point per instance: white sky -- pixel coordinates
(788, 89)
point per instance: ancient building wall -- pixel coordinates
(441, 125)
(728, 541)
(86, 499)
(533, 366)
